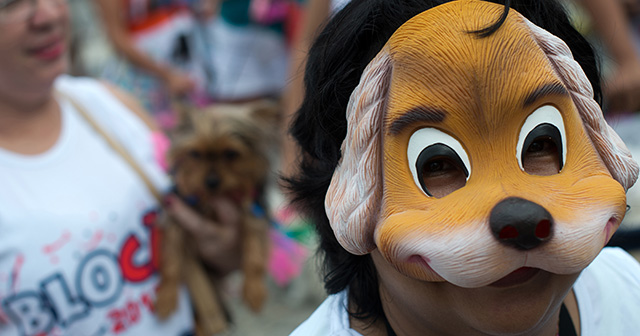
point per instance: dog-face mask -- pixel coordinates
(468, 157)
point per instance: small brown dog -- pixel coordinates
(218, 151)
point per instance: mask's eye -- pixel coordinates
(438, 162)
(542, 143)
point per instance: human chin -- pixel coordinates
(45, 72)
(529, 308)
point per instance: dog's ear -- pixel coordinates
(185, 122)
(612, 150)
(354, 196)
(267, 110)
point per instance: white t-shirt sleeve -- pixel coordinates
(608, 294)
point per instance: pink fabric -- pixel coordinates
(161, 145)
(286, 259)
(269, 11)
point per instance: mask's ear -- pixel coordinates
(612, 150)
(353, 199)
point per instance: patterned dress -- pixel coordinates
(168, 31)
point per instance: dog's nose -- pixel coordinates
(212, 181)
(520, 223)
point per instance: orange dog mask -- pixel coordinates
(445, 168)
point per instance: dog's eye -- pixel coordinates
(438, 162)
(542, 145)
(231, 154)
(195, 154)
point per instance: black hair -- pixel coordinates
(349, 41)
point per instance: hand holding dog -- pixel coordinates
(218, 243)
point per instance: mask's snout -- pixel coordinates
(520, 223)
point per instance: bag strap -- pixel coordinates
(115, 145)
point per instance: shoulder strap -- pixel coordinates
(115, 145)
(566, 324)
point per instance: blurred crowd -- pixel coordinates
(209, 51)
(202, 51)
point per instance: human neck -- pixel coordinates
(432, 323)
(452, 328)
(378, 328)
(30, 123)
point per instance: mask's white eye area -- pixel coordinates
(542, 144)
(438, 162)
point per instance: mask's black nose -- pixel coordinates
(520, 223)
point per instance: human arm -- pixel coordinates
(111, 12)
(315, 14)
(622, 87)
(207, 9)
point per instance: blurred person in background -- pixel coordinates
(249, 48)
(617, 26)
(159, 57)
(316, 13)
(76, 217)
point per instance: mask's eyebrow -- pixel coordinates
(416, 115)
(543, 90)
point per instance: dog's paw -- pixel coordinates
(166, 300)
(254, 293)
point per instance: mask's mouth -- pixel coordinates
(517, 277)
(421, 260)
(469, 255)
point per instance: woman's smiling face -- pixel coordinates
(33, 47)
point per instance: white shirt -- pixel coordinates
(608, 294)
(75, 242)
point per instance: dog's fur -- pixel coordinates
(218, 151)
